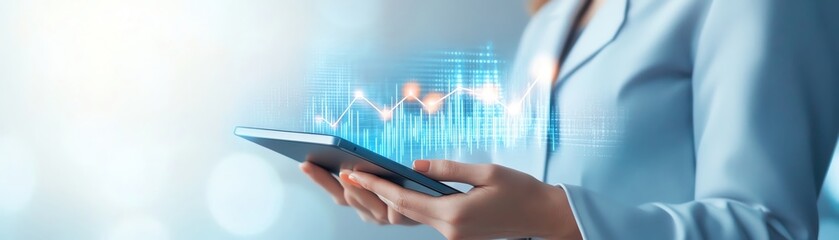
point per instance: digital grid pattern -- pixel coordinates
(429, 106)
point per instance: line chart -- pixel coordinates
(440, 104)
(488, 94)
(431, 104)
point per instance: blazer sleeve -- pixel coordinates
(765, 119)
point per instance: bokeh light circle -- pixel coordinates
(312, 214)
(17, 175)
(139, 228)
(244, 194)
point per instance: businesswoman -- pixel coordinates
(687, 119)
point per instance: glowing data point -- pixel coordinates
(386, 114)
(543, 68)
(489, 94)
(432, 102)
(410, 90)
(514, 109)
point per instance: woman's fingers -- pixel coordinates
(325, 180)
(361, 198)
(363, 213)
(368, 205)
(413, 204)
(395, 217)
(446, 170)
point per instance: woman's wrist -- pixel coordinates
(559, 214)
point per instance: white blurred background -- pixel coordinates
(116, 116)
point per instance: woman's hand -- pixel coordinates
(368, 206)
(503, 203)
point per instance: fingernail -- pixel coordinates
(421, 165)
(304, 168)
(354, 179)
(349, 178)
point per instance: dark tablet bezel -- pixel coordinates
(352, 149)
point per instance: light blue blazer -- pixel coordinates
(683, 119)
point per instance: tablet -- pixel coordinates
(334, 153)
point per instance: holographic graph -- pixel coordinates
(488, 94)
(431, 105)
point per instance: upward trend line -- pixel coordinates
(387, 112)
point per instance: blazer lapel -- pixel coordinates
(602, 29)
(529, 86)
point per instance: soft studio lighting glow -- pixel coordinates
(244, 194)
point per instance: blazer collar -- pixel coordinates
(602, 29)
